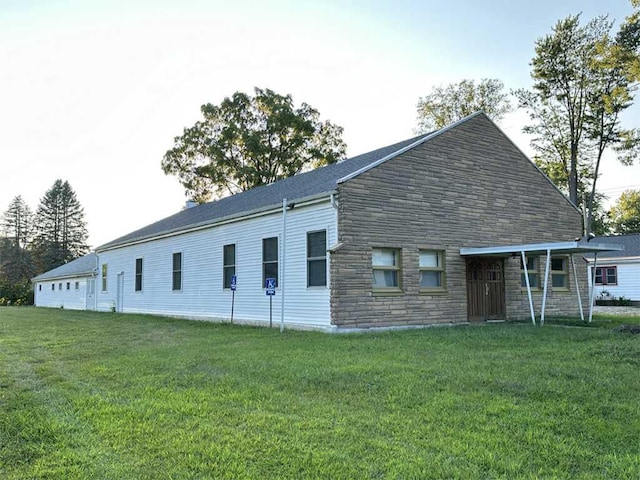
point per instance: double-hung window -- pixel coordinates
(138, 283)
(560, 273)
(228, 264)
(269, 259)
(317, 259)
(606, 275)
(386, 269)
(176, 283)
(432, 273)
(533, 271)
(104, 277)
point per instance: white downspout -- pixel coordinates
(284, 256)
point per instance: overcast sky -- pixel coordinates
(94, 92)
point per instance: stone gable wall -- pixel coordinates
(468, 187)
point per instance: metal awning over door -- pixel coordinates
(548, 249)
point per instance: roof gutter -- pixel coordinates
(258, 212)
(62, 277)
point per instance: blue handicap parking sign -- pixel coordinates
(234, 282)
(270, 285)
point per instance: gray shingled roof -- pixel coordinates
(630, 242)
(78, 267)
(305, 185)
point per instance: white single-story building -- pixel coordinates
(71, 285)
(617, 272)
(453, 226)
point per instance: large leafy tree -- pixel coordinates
(584, 78)
(60, 227)
(447, 104)
(625, 214)
(248, 141)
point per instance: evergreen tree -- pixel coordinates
(15, 260)
(60, 228)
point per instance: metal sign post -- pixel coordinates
(233, 286)
(270, 290)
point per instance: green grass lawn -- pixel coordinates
(108, 396)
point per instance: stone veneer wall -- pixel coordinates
(467, 187)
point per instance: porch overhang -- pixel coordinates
(548, 249)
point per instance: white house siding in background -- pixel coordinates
(202, 295)
(628, 278)
(62, 297)
(68, 285)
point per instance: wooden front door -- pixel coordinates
(485, 289)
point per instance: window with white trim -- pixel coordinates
(269, 259)
(104, 277)
(138, 283)
(317, 259)
(228, 264)
(606, 275)
(385, 263)
(176, 283)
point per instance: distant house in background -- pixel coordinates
(617, 272)
(447, 227)
(71, 285)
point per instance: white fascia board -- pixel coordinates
(615, 260)
(407, 148)
(62, 277)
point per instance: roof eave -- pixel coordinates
(273, 208)
(538, 249)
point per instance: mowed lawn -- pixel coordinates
(108, 396)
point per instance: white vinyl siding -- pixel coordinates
(627, 278)
(69, 298)
(203, 295)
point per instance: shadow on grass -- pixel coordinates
(599, 321)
